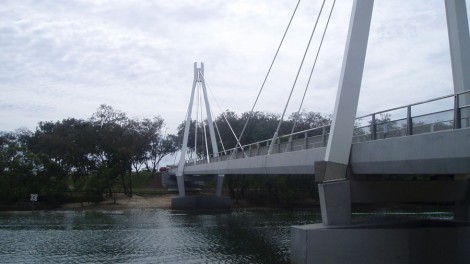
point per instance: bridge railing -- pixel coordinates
(443, 113)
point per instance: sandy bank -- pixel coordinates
(124, 202)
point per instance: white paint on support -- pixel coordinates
(459, 42)
(336, 206)
(342, 127)
(215, 149)
(180, 171)
(198, 78)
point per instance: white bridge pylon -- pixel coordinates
(198, 83)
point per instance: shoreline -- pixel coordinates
(123, 202)
(147, 201)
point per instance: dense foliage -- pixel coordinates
(98, 156)
(95, 156)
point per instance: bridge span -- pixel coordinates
(436, 143)
(443, 152)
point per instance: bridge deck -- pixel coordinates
(444, 152)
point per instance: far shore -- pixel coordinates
(145, 201)
(138, 201)
(124, 202)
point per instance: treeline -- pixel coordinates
(96, 156)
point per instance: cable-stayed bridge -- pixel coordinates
(353, 158)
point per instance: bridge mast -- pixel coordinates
(334, 190)
(459, 42)
(198, 78)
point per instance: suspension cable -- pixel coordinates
(295, 81)
(218, 133)
(267, 74)
(224, 116)
(205, 137)
(313, 67)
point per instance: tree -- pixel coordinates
(23, 172)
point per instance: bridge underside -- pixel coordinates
(439, 153)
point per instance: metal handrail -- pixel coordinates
(231, 153)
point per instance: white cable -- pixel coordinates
(313, 67)
(223, 114)
(295, 81)
(269, 70)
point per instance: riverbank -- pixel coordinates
(122, 202)
(147, 201)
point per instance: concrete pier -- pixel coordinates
(201, 202)
(404, 242)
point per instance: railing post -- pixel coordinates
(267, 147)
(257, 148)
(306, 140)
(457, 119)
(409, 121)
(291, 144)
(323, 136)
(249, 150)
(373, 128)
(278, 145)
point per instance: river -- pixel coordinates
(160, 236)
(149, 236)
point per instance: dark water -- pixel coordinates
(159, 236)
(148, 236)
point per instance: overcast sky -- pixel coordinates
(63, 58)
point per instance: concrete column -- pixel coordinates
(462, 208)
(459, 42)
(335, 196)
(220, 184)
(335, 202)
(342, 127)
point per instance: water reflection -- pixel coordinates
(148, 236)
(157, 236)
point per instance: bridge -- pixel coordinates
(352, 157)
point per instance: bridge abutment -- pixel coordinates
(404, 242)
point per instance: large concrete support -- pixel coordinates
(459, 42)
(220, 184)
(342, 127)
(335, 202)
(335, 198)
(201, 202)
(404, 242)
(462, 207)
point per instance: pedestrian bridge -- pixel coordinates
(433, 143)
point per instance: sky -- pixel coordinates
(64, 58)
